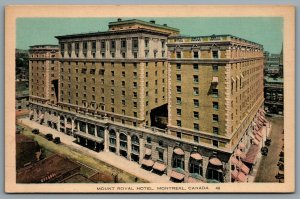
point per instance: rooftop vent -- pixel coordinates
(152, 21)
(119, 19)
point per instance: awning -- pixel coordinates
(148, 163)
(240, 154)
(178, 151)
(251, 154)
(215, 80)
(241, 146)
(177, 175)
(148, 151)
(196, 156)
(242, 76)
(234, 160)
(41, 116)
(244, 169)
(237, 77)
(258, 137)
(233, 79)
(69, 125)
(159, 166)
(193, 180)
(234, 174)
(259, 133)
(89, 137)
(255, 141)
(241, 177)
(215, 161)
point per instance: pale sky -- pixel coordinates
(267, 31)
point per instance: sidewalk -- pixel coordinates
(252, 176)
(108, 157)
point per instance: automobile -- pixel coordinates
(35, 131)
(268, 142)
(56, 140)
(49, 136)
(264, 151)
(281, 154)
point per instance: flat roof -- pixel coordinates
(129, 21)
(213, 35)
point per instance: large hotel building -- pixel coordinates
(188, 107)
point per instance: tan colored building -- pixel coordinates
(176, 105)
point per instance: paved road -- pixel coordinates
(108, 157)
(268, 167)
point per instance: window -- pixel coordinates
(113, 55)
(178, 134)
(163, 43)
(146, 74)
(123, 112)
(196, 126)
(149, 140)
(146, 42)
(178, 112)
(178, 89)
(216, 105)
(178, 55)
(215, 118)
(196, 79)
(215, 54)
(135, 43)
(135, 74)
(84, 46)
(112, 100)
(112, 44)
(196, 139)
(123, 83)
(112, 82)
(112, 73)
(134, 114)
(215, 143)
(215, 92)
(196, 54)
(178, 100)
(134, 84)
(178, 77)
(102, 45)
(160, 143)
(123, 73)
(196, 66)
(215, 130)
(196, 115)
(215, 67)
(134, 104)
(160, 155)
(178, 122)
(123, 102)
(196, 90)
(178, 66)
(94, 45)
(196, 103)
(146, 54)
(135, 94)
(135, 55)
(123, 43)
(112, 91)
(123, 55)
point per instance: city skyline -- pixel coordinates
(263, 30)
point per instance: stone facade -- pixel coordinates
(111, 84)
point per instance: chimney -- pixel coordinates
(152, 21)
(119, 19)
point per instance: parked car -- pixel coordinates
(264, 151)
(268, 142)
(35, 131)
(49, 136)
(56, 140)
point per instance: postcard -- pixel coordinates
(149, 99)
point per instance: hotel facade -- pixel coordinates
(188, 107)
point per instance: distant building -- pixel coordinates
(274, 103)
(179, 105)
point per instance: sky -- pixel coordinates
(267, 31)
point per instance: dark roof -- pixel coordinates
(22, 138)
(93, 34)
(114, 23)
(45, 170)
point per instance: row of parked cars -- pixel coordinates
(48, 136)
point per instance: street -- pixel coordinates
(268, 168)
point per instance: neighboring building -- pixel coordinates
(50, 170)
(274, 95)
(26, 149)
(43, 76)
(178, 105)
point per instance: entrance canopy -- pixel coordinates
(89, 137)
(159, 166)
(177, 175)
(148, 163)
(178, 151)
